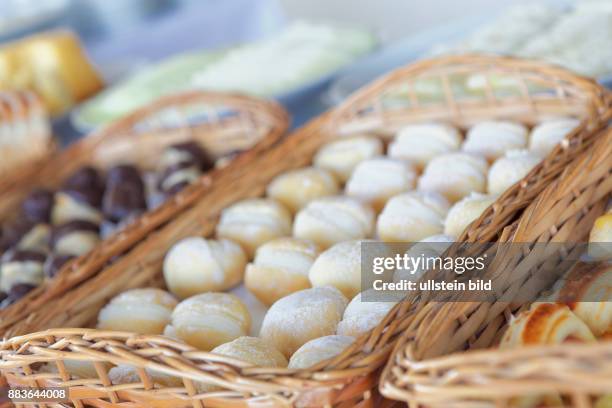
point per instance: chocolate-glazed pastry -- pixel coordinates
(37, 206)
(188, 152)
(13, 231)
(177, 176)
(85, 185)
(75, 237)
(125, 193)
(36, 239)
(69, 206)
(21, 266)
(54, 263)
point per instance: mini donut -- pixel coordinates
(493, 138)
(341, 156)
(320, 349)
(296, 188)
(420, 143)
(362, 316)
(510, 168)
(464, 212)
(545, 136)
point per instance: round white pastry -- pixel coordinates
(545, 136)
(465, 211)
(430, 247)
(376, 180)
(493, 138)
(210, 319)
(253, 222)
(340, 267)
(361, 316)
(320, 349)
(412, 216)
(421, 143)
(343, 155)
(510, 168)
(197, 265)
(252, 350)
(280, 268)
(600, 238)
(66, 208)
(328, 220)
(296, 188)
(144, 311)
(455, 175)
(302, 316)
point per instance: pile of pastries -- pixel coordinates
(298, 250)
(54, 227)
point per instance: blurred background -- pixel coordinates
(115, 55)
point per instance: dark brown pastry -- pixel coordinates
(12, 232)
(85, 185)
(125, 193)
(37, 206)
(192, 153)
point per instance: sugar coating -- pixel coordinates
(600, 238)
(410, 217)
(329, 220)
(66, 208)
(510, 168)
(362, 316)
(296, 188)
(127, 374)
(465, 211)
(430, 247)
(197, 265)
(376, 180)
(341, 156)
(253, 222)
(455, 175)
(340, 267)
(210, 319)
(492, 139)
(302, 316)
(545, 136)
(320, 349)
(420, 143)
(280, 268)
(252, 350)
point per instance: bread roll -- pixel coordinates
(464, 212)
(208, 320)
(144, 311)
(376, 180)
(430, 247)
(320, 349)
(361, 316)
(197, 265)
(253, 222)
(252, 350)
(280, 268)
(340, 267)
(410, 217)
(296, 188)
(302, 316)
(455, 175)
(492, 139)
(422, 142)
(343, 155)
(511, 168)
(545, 136)
(600, 239)
(329, 220)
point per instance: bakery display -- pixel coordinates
(297, 188)
(492, 139)
(343, 155)
(319, 349)
(420, 143)
(462, 213)
(510, 168)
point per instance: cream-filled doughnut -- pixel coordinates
(545, 136)
(455, 175)
(340, 267)
(252, 350)
(510, 168)
(144, 311)
(464, 212)
(280, 268)
(493, 138)
(410, 217)
(376, 180)
(422, 142)
(600, 238)
(296, 188)
(320, 349)
(253, 222)
(361, 316)
(302, 316)
(197, 265)
(329, 220)
(343, 155)
(208, 320)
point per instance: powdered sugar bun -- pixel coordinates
(410, 217)
(302, 316)
(464, 212)
(318, 350)
(510, 168)
(362, 316)
(340, 267)
(329, 220)
(545, 136)
(296, 188)
(455, 175)
(492, 139)
(343, 155)
(420, 143)
(376, 180)
(252, 350)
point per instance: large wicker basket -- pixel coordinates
(222, 123)
(351, 378)
(430, 366)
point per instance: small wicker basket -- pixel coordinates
(350, 379)
(430, 367)
(221, 123)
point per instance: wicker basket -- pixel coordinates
(349, 379)
(423, 370)
(222, 123)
